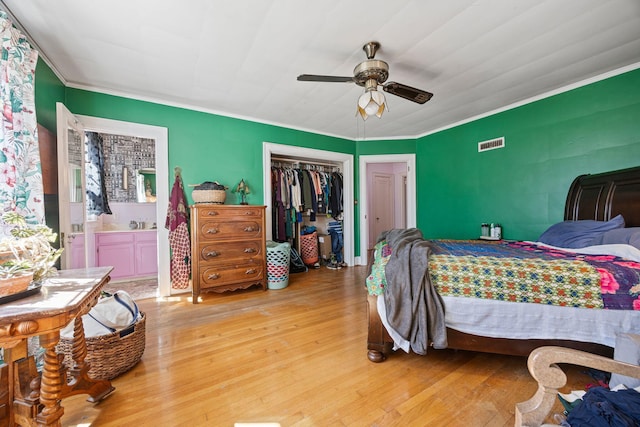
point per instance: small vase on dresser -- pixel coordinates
(228, 247)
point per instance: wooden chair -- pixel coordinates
(543, 367)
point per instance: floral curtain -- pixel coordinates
(20, 172)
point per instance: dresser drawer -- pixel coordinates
(230, 212)
(224, 252)
(224, 229)
(217, 276)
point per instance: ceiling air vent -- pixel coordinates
(491, 144)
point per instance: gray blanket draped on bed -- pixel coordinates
(409, 286)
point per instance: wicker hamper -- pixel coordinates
(112, 354)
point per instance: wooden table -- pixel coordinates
(32, 399)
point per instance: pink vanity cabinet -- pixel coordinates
(76, 247)
(131, 253)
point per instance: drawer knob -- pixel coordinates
(249, 250)
(214, 276)
(212, 231)
(212, 254)
(250, 271)
(212, 213)
(250, 229)
(248, 213)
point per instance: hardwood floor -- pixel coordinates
(297, 356)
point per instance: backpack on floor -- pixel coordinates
(295, 264)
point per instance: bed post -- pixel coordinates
(378, 343)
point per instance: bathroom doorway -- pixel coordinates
(161, 173)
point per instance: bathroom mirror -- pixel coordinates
(129, 164)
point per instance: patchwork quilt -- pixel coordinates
(523, 272)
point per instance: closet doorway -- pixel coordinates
(308, 155)
(390, 178)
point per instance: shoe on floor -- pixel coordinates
(343, 264)
(333, 266)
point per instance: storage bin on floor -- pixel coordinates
(278, 257)
(309, 248)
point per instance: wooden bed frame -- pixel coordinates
(599, 196)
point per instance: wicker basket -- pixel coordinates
(209, 196)
(110, 355)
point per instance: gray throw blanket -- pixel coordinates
(414, 308)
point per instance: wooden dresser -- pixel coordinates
(228, 247)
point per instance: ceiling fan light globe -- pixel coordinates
(372, 109)
(371, 103)
(378, 97)
(364, 100)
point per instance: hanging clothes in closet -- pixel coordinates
(297, 190)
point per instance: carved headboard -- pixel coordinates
(602, 196)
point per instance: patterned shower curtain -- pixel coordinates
(96, 189)
(20, 172)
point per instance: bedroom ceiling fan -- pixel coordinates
(370, 74)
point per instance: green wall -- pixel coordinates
(49, 90)
(388, 146)
(591, 129)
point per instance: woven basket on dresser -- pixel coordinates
(110, 355)
(209, 196)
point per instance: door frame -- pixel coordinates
(363, 161)
(161, 137)
(346, 165)
(66, 120)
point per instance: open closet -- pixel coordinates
(308, 206)
(332, 176)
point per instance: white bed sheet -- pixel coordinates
(501, 319)
(513, 320)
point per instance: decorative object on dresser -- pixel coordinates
(242, 189)
(209, 192)
(228, 247)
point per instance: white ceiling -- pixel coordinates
(241, 58)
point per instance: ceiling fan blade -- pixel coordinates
(407, 92)
(317, 78)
